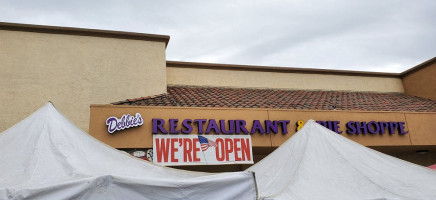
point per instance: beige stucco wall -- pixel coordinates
(422, 83)
(74, 72)
(259, 79)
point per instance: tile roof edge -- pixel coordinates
(270, 109)
(284, 89)
(138, 99)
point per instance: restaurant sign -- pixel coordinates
(126, 121)
(170, 150)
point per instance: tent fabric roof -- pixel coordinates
(45, 156)
(188, 96)
(317, 163)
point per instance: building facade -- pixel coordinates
(92, 75)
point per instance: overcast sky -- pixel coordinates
(366, 35)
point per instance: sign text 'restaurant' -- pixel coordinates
(205, 126)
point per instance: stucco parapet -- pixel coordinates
(418, 67)
(83, 32)
(180, 64)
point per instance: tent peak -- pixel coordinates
(50, 104)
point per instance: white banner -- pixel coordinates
(202, 149)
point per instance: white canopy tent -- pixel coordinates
(317, 163)
(47, 157)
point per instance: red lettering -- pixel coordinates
(196, 150)
(220, 146)
(174, 149)
(228, 148)
(187, 150)
(162, 150)
(236, 141)
(245, 146)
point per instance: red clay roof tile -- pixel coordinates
(185, 96)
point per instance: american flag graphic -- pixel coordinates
(206, 143)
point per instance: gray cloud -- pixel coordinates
(390, 35)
